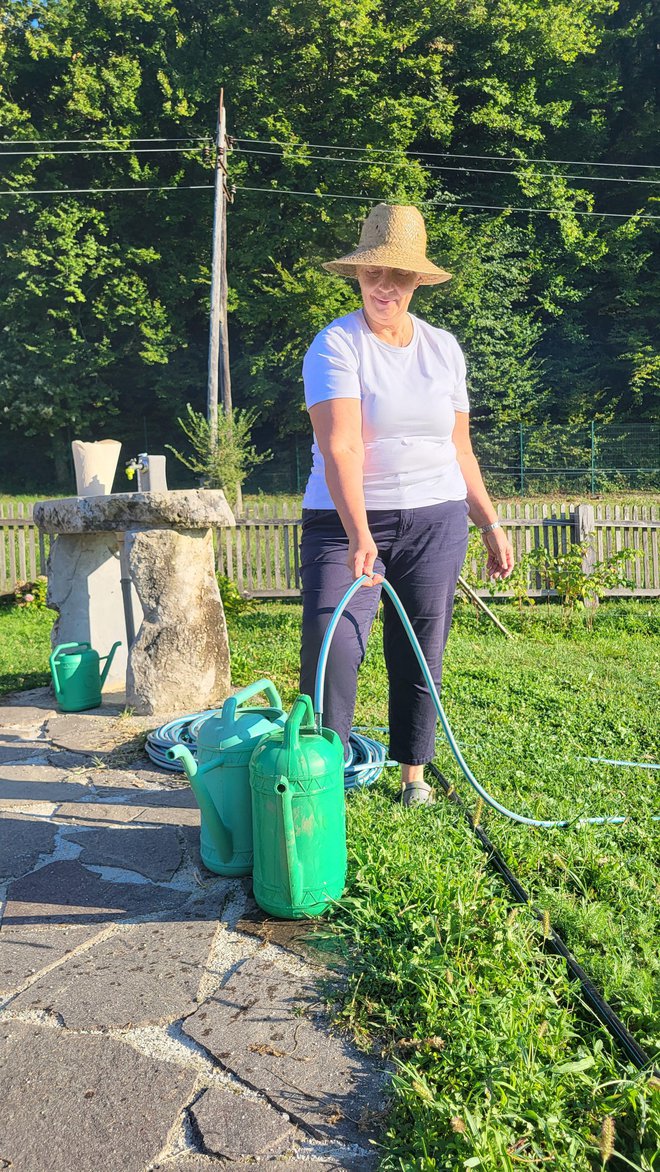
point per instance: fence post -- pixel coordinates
(593, 459)
(583, 528)
(522, 460)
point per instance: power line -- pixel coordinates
(103, 190)
(453, 204)
(117, 138)
(449, 155)
(442, 167)
(104, 151)
(65, 191)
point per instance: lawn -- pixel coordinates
(498, 1063)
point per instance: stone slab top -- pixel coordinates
(190, 508)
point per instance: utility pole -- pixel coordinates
(218, 373)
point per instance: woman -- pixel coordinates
(392, 483)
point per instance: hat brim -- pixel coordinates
(348, 266)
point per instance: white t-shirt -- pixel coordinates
(409, 397)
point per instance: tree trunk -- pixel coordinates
(61, 453)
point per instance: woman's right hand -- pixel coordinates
(362, 553)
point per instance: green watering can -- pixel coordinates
(298, 817)
(77, 675)
(220, 779)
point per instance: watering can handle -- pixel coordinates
(232, 702)
(53, 664)
(302, 708)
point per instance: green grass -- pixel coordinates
(24, 647)
(498, 1064)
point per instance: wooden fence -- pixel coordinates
(23, 550)
(261, 555)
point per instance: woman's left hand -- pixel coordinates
(500, 554)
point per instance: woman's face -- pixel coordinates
(386, 293)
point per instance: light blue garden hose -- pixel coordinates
(491, 801)
(365, 762)
(366, 756)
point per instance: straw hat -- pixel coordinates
(392, 236)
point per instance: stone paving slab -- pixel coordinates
(85, 1103)
(25, 951)
(312, 940)
(22, 754)
(98, 731)
(22, 842)
(145, 974)
(37, 783)
(94, 813)
(153, 852)
(68, 893)
(30, 707)
(232, 1126)
(265, 1027)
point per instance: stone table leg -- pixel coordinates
(84, 587)
(179, 662)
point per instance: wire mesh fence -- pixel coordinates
(518, 460)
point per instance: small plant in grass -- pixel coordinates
(233, 601)
(225, 460)
(32, 594)
(579, 589)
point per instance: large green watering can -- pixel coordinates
(220, 779)
(298, 817)
(77, 675)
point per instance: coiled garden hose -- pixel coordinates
(465, 769)
(365, 761)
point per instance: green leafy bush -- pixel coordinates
(32, 594)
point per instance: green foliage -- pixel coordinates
(232, 600)
(579, 583)
(223, 459)
(104, 298)
(32, 594)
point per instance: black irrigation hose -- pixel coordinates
(594, 999)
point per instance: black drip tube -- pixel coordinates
(594, 999)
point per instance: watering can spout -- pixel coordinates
(108, 660)
(220, 833)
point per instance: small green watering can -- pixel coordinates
(77, 675)
(220, 779)
(299, 818)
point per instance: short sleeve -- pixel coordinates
(459, 395)
(330, 369)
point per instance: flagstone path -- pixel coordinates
(151, 1018)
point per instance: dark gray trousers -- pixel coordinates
(421, 553)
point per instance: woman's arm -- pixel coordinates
(337, 427)
(482, 510)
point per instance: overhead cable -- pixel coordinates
(449, 154)
(117, 138)
(48, 154)
(449, 204)
(453, 204)
(439, 167)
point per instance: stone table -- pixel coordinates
(143, 561)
